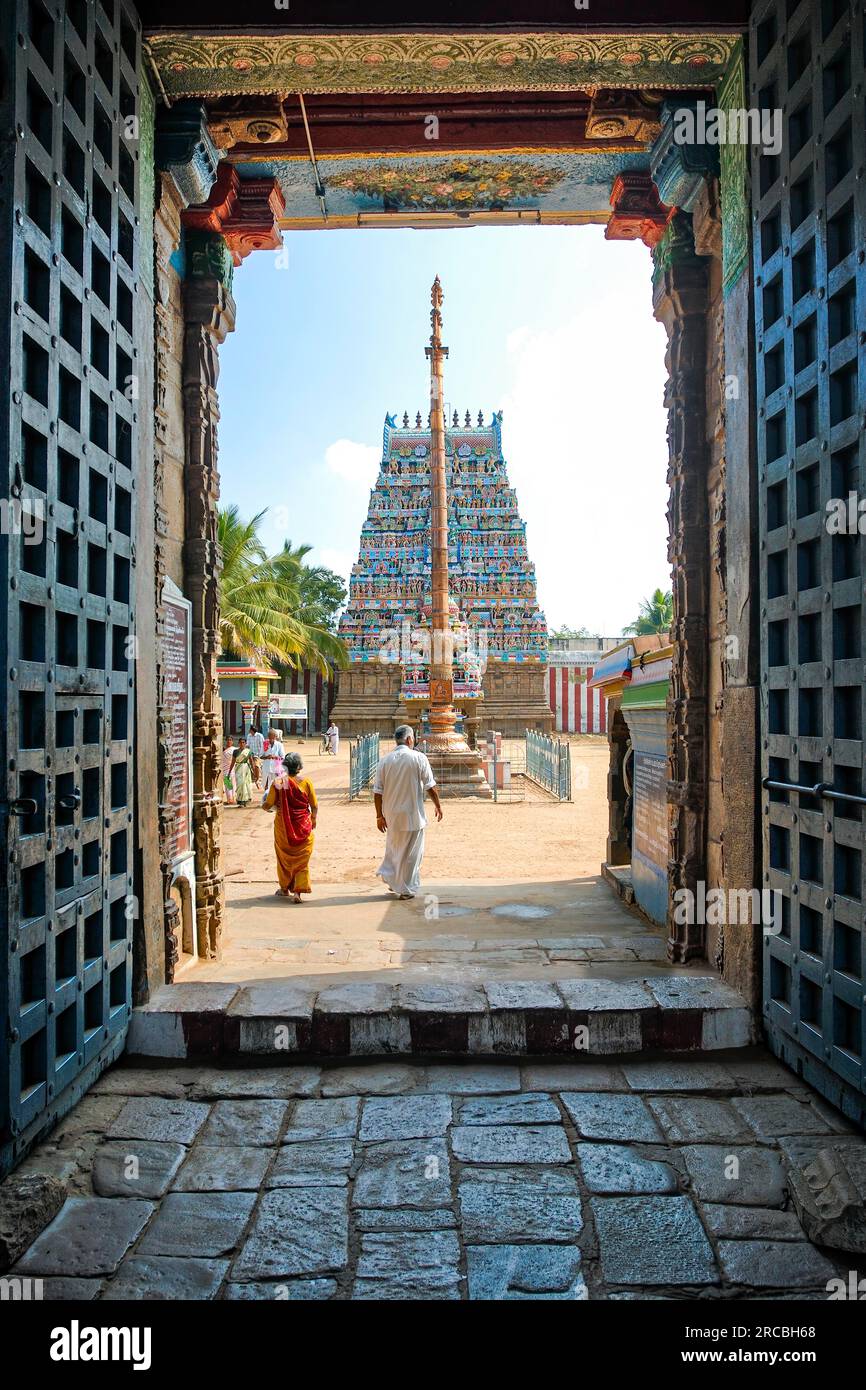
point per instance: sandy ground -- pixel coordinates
(537, 839)
(510, 888)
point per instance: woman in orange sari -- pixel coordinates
(294, 801)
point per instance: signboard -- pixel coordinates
(177, 700)
(651, 808)
(287, 706)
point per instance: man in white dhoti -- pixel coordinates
(403, 777)
(272, 759)
(334, 738)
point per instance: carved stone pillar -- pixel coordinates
(166, 229)
(680, 303)
(187, 160)
(209, 313)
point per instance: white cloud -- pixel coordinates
(340, 561)
(357, 463)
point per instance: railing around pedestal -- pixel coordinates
(363, 760)
(548, 762)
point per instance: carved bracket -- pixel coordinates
(245, 212)
(638, 214)
(618, 114)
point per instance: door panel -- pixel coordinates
(69, 199)
(807, 62)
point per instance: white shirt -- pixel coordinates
(275, 751)
(256, 743)
(402, 778)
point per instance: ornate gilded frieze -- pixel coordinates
(232, 64)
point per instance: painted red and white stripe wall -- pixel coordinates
(578, 708)
(320, 697)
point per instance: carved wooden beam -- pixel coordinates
(231, 123)
(617, 114)
(244, 212)
(638, 214)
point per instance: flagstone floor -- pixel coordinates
(401, 1180)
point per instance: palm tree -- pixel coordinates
(656, 615)
(261, 600)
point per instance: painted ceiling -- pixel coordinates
(558, 186)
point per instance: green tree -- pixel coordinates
(567, 631)
(656, 615)
(323, 594)
(271, 609)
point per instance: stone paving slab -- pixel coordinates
(695, 1119)
(430, 1257)
(744, 1175)
(508, 1272)
(405, 1219)
(285, 1290)
(167, 1278)
(135, 1168)
(244, 1122)
(751, 1223)
(774, 1264)
(87, 1238)
(525, 1108)
(320, 1164)
(405, 1117)
(324, 1119)
(296, 1231)
(653, 1240)
(407, 1173)
(517, 1204)
(165, 1121)
(510, 1144)
(227, 1168)
(198, 1224)
(615, 1168)
(440, 1180)
(600, 1116)
(278, 1082)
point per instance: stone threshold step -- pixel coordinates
(672, 1013)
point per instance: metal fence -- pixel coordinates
(548, 762)
(363, 759)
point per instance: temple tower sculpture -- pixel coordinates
(443, 576)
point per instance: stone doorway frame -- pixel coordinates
(226, 219)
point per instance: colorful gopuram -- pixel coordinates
(499, 632)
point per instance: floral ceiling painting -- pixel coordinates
(563, 184)
(445, 184)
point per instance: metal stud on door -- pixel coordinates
(809, 200)
(69, 207)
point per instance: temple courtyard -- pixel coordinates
(511, 889)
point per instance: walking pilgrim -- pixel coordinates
(403, 778)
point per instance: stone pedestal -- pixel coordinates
(456, 766)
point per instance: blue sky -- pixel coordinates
(553, 325)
